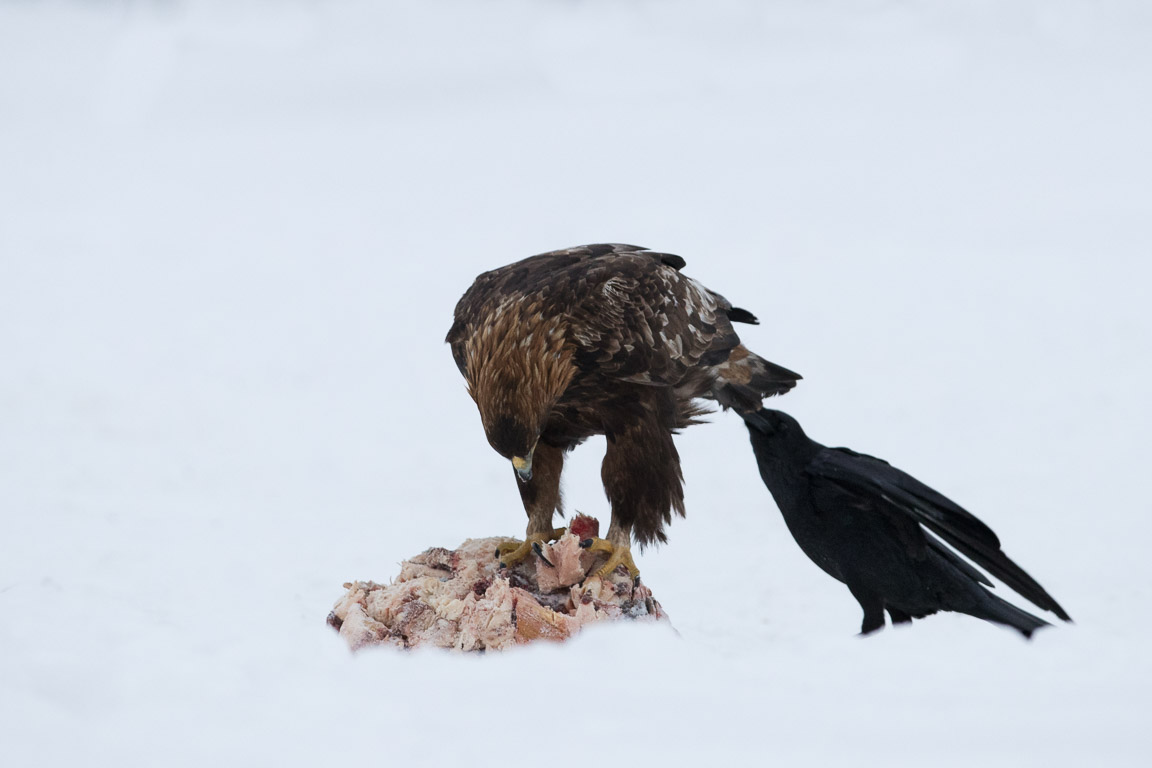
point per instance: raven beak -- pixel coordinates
(758, 421)
(523, 467)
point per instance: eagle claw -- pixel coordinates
(618, 554)
(539, 550)
(513, 553)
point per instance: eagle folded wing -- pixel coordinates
(628, 312)
(644, 322)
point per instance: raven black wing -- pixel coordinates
(904, 495)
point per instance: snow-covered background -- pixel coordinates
(231, 238)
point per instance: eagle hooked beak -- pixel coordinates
(523, 467)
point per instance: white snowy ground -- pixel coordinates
(231, 238)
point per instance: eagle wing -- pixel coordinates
(629, 312)
(637, 318)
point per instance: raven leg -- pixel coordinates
(898, 616)
(541, 497)
(873, 607)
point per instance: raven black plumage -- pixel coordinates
(860, 519)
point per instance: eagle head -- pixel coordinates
(513, 439)
(517, 367)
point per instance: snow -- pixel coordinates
(231, 238)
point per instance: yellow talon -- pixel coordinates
(513, 552)
(617, 554)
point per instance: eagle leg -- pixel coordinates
(618, 554)
(513, 552)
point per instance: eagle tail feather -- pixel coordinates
(742, 384)
(738, 315)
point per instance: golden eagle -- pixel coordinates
(602, 340)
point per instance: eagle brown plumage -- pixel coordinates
(602, 340)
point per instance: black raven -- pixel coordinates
(859, 519)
